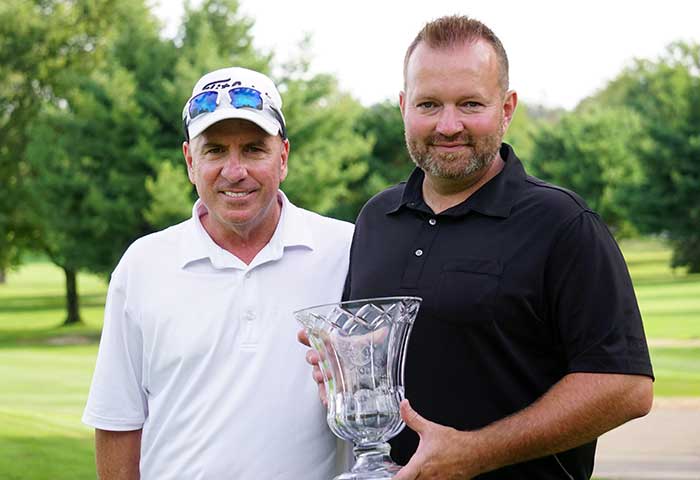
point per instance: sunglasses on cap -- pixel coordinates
(239, 97)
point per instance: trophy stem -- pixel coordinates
(372, 462)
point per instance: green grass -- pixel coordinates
(677, 371)
(668, 299)
(41, 400)
(45, 369)
(45, 376)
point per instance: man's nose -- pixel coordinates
(449, 122)
(234, 169)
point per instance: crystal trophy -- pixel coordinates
(362, 346)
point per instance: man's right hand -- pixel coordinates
(313, 358)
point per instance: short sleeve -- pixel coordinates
(592, 301)
(117, 400)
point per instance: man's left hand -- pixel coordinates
(442, 453)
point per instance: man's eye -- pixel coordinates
(471, 104)
(426, 105)
(213, 150)
(255, 149)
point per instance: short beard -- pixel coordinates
(455, 166)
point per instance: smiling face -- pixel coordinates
(454, 109)
(237, 169)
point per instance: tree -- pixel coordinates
(666, 95)
(87, 149)
(588, 151)
(327, 154)
(89, 159)
(170, 192)
(38, 40)
(387, 161)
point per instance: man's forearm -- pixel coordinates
(117, 454)
(576, 410)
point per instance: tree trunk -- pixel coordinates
(2, 276)
(72, 306)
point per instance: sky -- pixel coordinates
(559, 51)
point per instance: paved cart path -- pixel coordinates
(663, 445)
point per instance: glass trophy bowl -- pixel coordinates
(362, 346)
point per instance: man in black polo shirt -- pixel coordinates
(529, 343)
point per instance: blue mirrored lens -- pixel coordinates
(205, 102)
(246, 97)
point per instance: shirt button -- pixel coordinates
(432, 221)
(247, 275)
(419, 252)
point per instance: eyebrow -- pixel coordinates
(260, 143)
(206, 145)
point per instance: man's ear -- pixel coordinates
(284, 159)
(402, 102)
(510, 102)
(187, 153)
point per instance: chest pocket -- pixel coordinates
(467, 289)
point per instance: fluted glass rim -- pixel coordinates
(360, 300)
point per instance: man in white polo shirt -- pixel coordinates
(198, 374)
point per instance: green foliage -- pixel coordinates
(326, 154)
(89, 158)
(666, 95)
(388, 161)
(38, 40)
(171, 196)
(139, 49)
(520, 133)
(588, 152)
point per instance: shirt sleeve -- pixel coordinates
(593, 303)
(117, 400)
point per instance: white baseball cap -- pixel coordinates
(234, 92)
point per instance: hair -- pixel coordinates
(453, 30)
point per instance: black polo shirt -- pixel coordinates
(521, 284)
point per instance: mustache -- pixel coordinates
(461, 137)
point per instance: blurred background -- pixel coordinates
(91, 95)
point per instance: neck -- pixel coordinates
(443, 193)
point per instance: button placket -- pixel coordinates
(419, 254)
(249, 325)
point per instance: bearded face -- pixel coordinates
(467, 153)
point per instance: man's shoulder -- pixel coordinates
(386, 200)
(157, 245)
(328, 228)
(556, 199)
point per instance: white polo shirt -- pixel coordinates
(199, 349)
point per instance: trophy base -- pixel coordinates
(372, 462)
